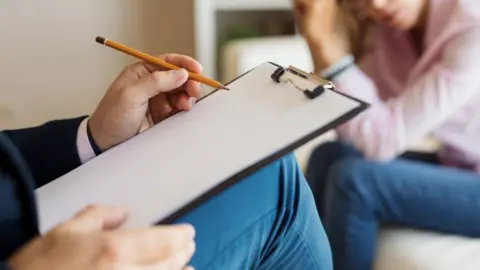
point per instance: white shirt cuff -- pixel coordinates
(85, 151)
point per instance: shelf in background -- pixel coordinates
(232, 5)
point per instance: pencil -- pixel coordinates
(159, 62)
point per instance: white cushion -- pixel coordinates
(398, 248)
(409, 249)
(242, 55)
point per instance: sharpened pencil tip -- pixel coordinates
(100, 40)
(223, 88)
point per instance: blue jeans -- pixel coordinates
(267, 221)
(355, 195)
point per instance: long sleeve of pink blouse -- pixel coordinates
(387, 128)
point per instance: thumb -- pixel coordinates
(97, 218)
(161, 81)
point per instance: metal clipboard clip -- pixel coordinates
(311, 85)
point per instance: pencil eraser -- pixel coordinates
(100, 40)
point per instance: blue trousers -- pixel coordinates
(267, 221)
(354, 196)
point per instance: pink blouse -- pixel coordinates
(437, 93)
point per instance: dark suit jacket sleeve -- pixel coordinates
(50, 150)
(4, 266)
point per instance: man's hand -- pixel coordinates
(91, 240)
(142, 96)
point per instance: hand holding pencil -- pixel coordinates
(159, 62)
(144, 94)
(141, 96)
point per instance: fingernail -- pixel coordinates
(189, 229)
(119, 210)
(189, 268)
(89, 206)
(179, 74)
(192, 101)
(191, 247)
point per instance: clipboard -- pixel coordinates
(175, 166)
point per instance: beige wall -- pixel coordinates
(50, 65)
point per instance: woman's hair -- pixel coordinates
(357, 27)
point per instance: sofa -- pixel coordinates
(399, 248)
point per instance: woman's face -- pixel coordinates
(398, 14)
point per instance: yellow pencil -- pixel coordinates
(159, 62)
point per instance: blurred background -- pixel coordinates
(52, 68)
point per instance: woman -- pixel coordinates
(417, 62)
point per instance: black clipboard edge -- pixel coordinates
(216, 90)
(234, 179)
(228, 83)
